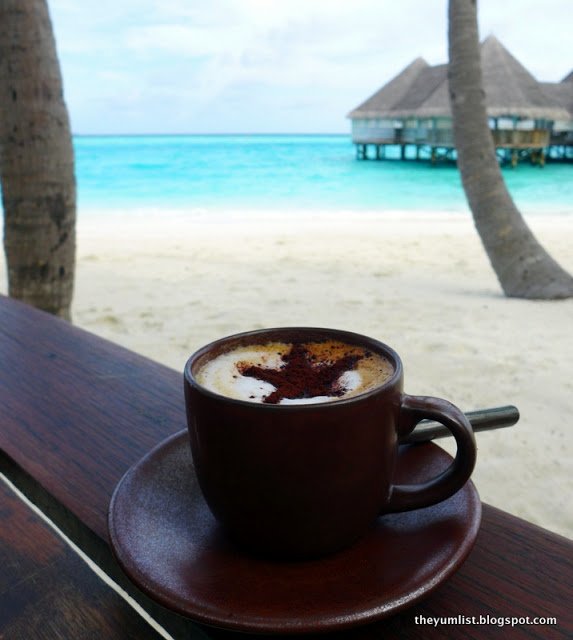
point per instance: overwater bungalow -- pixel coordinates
(561, 141)
(527, 118)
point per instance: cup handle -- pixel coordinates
(412, 410)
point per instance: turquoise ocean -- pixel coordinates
(283, 172)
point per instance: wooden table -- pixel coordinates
(76, 411)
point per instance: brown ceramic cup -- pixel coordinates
(300, 481)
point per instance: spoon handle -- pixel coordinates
(481, 420)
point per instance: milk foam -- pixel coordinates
(223, 374)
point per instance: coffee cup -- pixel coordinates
(294, 436)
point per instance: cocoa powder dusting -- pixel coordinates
(300, 377)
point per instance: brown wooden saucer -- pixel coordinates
(168, 543)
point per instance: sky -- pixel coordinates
(268, 66)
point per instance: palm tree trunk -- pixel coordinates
(36, 160)
(523, 267)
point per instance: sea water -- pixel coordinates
(282, 172)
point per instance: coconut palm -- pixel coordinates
(36, 160)
(523, 267)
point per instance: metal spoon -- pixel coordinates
(481, 420)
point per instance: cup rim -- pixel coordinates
(340, 334)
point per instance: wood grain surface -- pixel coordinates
(47, 592)
(77, 411)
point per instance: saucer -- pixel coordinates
(168, 543)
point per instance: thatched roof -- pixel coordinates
(393, 92)
(423, 89)
(561, 92)
(510, 89)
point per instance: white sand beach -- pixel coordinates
(419, 282)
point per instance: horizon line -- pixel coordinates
(230, 133)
